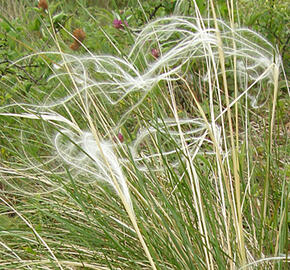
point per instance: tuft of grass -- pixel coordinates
(196, 181)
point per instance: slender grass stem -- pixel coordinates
(238, 219)
(269, 156)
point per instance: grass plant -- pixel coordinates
(197, 180)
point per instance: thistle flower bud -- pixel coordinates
(75, 46)
(155, 53)
(118, 24)
(119, 137)
(79, 36)
(43, 4)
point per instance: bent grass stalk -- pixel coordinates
(129, 208)
(124, 198)
(195, 186)
(238, 219)
(269, 156)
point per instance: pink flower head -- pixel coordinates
(118, 24)
(120, 137)
(155, 53)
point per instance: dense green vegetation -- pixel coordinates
(144, 134)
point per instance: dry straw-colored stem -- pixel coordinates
(237, 203)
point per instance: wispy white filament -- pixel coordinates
(83, 154)
(180, 40)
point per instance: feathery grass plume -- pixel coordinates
(181, 40)
(178, 165)
(82, 153)
(80, 150)
(164, 133)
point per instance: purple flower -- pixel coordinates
(119, 137)
(155, 53)
(118, 24)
